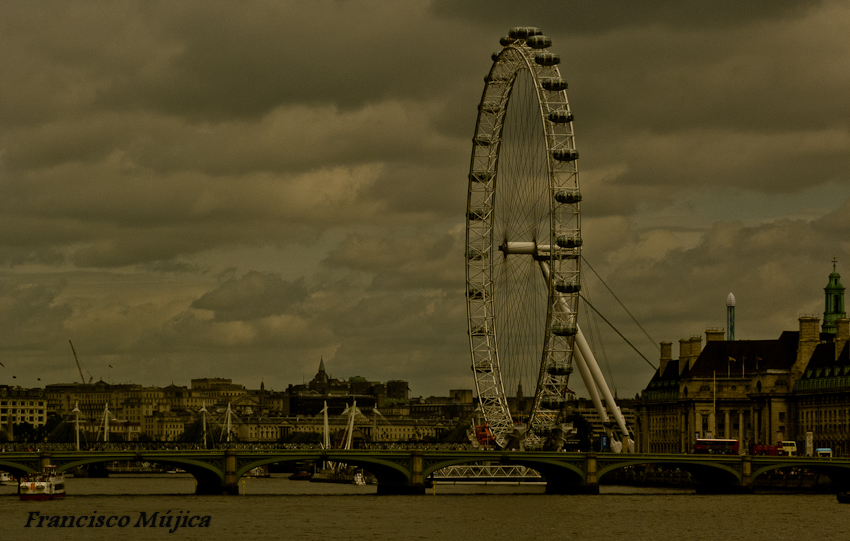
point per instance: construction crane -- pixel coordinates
(79, 366)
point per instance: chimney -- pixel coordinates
(809, 329)
(666, 357)
(842, 335)
(714, 335)
(684, 354)
(696, 349)
(808, 341)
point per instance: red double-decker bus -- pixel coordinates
(705, 446)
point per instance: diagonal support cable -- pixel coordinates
(618, 332)
(651, 339)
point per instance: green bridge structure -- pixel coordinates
(406, 471)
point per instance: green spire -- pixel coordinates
(834, 300)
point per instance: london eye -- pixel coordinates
(523, 245)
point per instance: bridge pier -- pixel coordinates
(555, 485)
(44, 459)
(213, 485)
(417, 480)
(747, 473)
(720, 485)
(231, 483)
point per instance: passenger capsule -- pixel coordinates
(494, 57)
(569, 241)
(539, 42)
(551, 403)
(474, 254)
(480, 330)
(504, 41)
(475, 293)
(489, 107)
(481, 176)
(568, 197)
(561, 117)
(483, 141)
(564, 329)
(547, 59)
(524, 32)
(567, 286)
(565, 154)
(476, 214)
(560, 369)
(495, 78)
(554, 85)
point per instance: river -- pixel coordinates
(277, 508)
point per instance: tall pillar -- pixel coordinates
(727, 427)
(742, 443)
(693, 424)
(753, 422)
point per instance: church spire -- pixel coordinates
(834, 300)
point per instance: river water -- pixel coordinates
(277, 508)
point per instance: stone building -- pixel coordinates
(19, 405)
(796, 387)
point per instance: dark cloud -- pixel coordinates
(252, 296)
(240, 189)
(610, 15)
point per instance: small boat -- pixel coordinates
(301, 475)
(259, 471)
(45, 485)
(5, 478)
(343, 476)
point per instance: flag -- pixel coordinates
(110, 366)
(3, 365)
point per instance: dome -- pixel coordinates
(730, 300)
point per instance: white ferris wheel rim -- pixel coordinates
(536, 230)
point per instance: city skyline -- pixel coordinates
(245, 189)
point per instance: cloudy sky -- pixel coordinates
(238, 189)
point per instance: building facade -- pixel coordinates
(760, 392)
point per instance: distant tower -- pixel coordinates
(730, 317)
(834, 300)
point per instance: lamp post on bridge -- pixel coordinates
(76, 411)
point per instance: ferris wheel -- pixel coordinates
(523, 244)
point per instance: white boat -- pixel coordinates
(45, 485)
(259, 471)
(5, 478)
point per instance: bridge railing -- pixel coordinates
(175, 446)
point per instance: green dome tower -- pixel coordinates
(834, 306)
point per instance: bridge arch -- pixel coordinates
(703, 472)
(18, 469)
(839, 474)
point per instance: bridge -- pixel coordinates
(406, 471)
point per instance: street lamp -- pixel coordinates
(76, 411)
